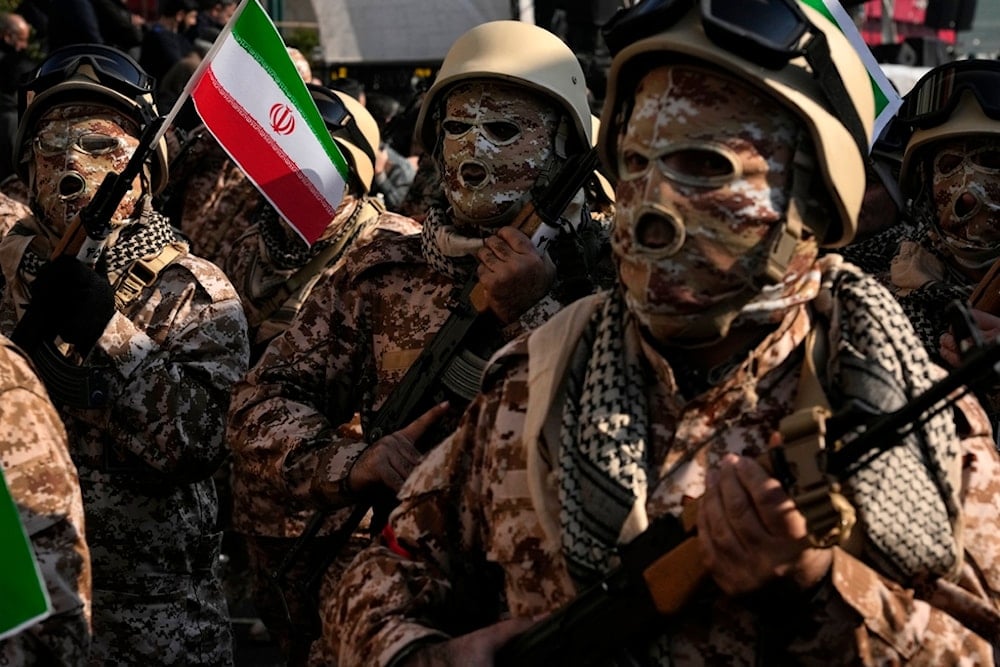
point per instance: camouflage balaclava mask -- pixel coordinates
(73, 148)
(965, 188)
(704, 181)
(497, 139)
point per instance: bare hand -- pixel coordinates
(751, 533)
(389, 460)
(513, 273)
(475, 649)
(989, 329)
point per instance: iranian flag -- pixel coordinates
(253, 100)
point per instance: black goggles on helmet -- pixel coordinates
(339, 120)
(768, 33)
(112, 69)
(934, 97)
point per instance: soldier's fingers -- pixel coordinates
(498, 246)
(772, 507)
(392, 479)
(487, 258)
(517, 240)
(419, 426)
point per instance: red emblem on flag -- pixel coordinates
(282, 118)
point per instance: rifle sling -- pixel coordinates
(369, 211)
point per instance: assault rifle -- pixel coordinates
(425, 383)
(661, 568)
(84, 238)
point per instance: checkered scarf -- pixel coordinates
(139, 238)
(906, 498)
(602, 453)
(447, 251)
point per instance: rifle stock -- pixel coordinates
(632, 601)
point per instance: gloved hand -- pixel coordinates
(72, 301)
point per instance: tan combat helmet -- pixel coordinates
(89, 74)
(516, 52)
(353, 128)
(841, 163)
(948, 103)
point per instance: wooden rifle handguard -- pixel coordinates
(986, 295)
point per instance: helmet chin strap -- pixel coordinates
(787, 234)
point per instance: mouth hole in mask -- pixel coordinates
(71, 185)
(473, 174)
(966, 204)
(658, 234)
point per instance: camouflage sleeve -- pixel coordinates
(175, 362)
(287, 414)
(940, 623)
(434, 583)
(43, 482)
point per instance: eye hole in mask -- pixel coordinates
(89, 143)
(702, 164)
(498, 132)
(984, 160)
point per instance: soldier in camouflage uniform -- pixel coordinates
(951, 177)
(629, 405)
(43, 482)
(272, 268)
(274, 271)
(498, 132)
(138, 354)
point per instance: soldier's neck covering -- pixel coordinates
(448, 251)
(453, 252)
(140, 238)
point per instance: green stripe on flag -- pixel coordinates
(23, 598)
(255, 32)
(887, 100)
(881, 101)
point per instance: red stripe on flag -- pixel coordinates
(264, 162)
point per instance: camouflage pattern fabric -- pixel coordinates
(479, 519)
(907, 260)
(258, 272)
(292, 423)
(11, 210)
(44, 484)
(145, 462)
(208, 197)
(15, 188)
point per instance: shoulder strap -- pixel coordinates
(142, 273)
(810, 391)
(369, 210)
